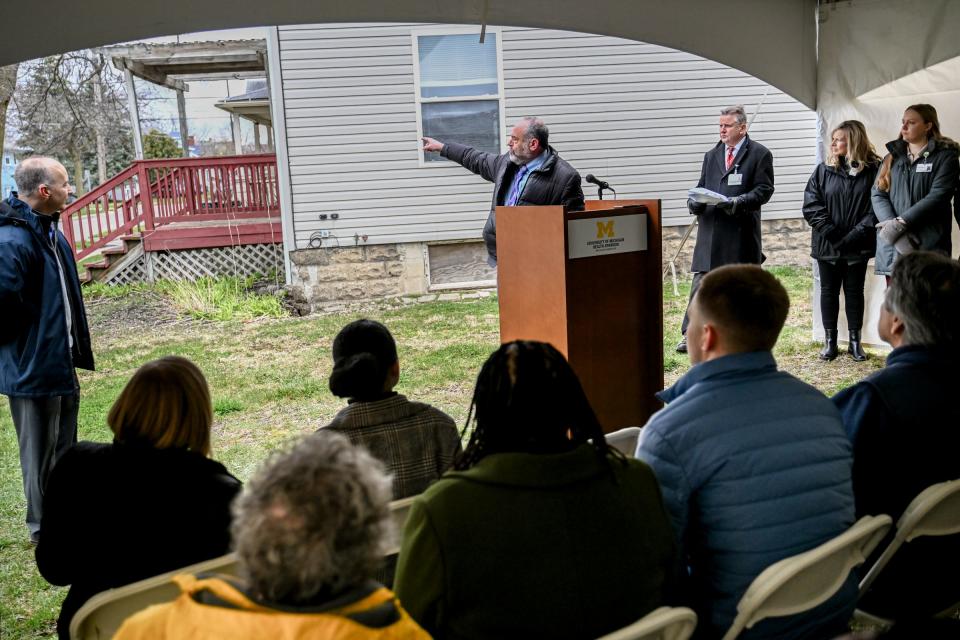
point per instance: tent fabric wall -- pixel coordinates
(876, 57)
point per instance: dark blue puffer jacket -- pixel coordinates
(755, 467)
(35, 356)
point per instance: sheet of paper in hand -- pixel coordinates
(705, 196)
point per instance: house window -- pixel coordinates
(459, 89)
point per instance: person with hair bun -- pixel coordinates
(415, 441)
(149, 502)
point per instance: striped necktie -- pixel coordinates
(729, 157)
(514, 194)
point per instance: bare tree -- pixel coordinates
(71, 106)
(8, 83)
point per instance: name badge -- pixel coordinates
(924, 167)
(734, 179)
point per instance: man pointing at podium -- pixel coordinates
(531, 173)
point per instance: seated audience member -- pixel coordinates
(753, 463)
(309, 529)
(903, 422)
(150, 502)
(542, 530)
(415, 441)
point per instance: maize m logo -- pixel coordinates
(604, 229)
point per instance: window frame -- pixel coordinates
(419, 100)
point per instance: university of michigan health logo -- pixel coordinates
(604, 229)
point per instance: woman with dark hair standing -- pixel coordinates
(836, 203)
(916, 183)
(542, 530)
(415, 441)
(150, 502)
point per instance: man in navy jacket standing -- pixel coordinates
(43, 326)
(729, 233)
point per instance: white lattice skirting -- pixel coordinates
(192, 264)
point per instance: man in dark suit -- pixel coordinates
(729, 233)
(531, 173)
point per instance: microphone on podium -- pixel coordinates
(601, 185)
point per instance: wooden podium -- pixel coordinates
(603, 311)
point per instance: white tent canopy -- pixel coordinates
(863, 44)
(774, 40)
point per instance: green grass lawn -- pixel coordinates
(268, 380)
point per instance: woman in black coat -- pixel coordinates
(836, 203)
(149, 502)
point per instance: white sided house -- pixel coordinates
(367, 215)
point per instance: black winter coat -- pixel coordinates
(837, 205)
(554, 182)
(922, 199)
(722, 238)
(117, 513)
(35, 355)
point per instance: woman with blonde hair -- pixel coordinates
(836, 204)
(914, 188)
(149, 502)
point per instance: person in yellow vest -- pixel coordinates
(310, 529)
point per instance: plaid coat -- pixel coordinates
(415, 441)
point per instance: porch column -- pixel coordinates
(134, 114)
(237, 145)
(182, 112)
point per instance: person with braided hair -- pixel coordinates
(542, 529)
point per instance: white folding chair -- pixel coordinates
(101, 616)
(399, 510)
(801, 582)
(665, 623)
(934, 512)
(625, 440)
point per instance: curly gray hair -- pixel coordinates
(315, 518)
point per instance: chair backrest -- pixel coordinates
(665, 623)
(101, 616)
(399, 509)
(935, 512)
(624, 440)
(801, 582)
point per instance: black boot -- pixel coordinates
(829, 351)
(854, 348)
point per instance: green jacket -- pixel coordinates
(527, 546)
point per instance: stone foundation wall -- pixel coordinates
(336, 274)
(332, 275)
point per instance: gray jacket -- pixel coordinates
(922, 199)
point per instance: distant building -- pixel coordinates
(7, 165)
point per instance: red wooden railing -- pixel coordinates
(180, 189)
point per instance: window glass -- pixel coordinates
(475, 123)
(458, 65)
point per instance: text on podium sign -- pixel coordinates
(604, 236)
